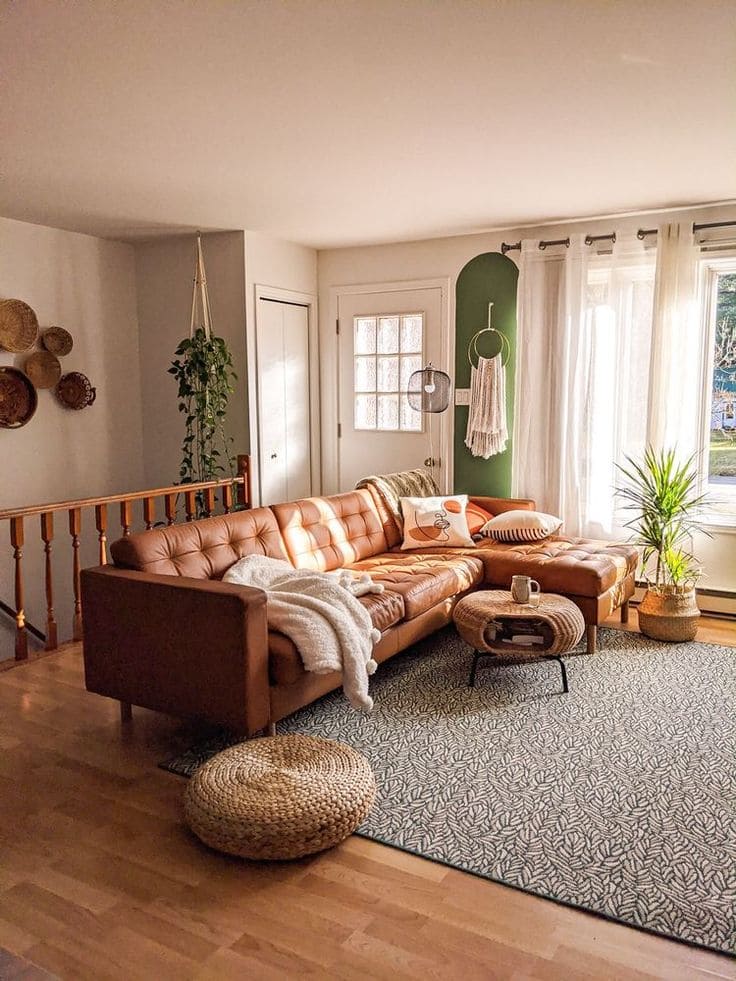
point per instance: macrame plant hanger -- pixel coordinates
(505, 351)
(199, 293)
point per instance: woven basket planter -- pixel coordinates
(669, 615)
(280, 797)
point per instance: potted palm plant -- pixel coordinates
(664, 497)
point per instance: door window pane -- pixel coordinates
(411, 334)
(365, 374)
(388, 411)
(388, 335)
(365, 411)
(388, 374)
(365, 335)
(381, 371)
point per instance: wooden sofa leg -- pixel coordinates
(126, 712)
(591, 637)
(271, 729)
(625, 612)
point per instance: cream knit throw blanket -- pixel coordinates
(320, 613)
(407, 483)
(487, 433)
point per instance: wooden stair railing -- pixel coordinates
(200, 497)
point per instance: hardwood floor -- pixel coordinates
(99, 879)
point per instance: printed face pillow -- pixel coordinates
(431, 522)
(521, 526)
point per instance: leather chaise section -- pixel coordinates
(571, 566)
(202, 549)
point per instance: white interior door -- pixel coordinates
(282, 346)
(383, 338)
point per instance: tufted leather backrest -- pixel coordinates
(202, 549)
(326, 533)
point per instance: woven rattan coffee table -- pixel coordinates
(279, 797)
(495, 626)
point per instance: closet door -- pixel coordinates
(282, 339)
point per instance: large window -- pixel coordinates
(719, 456)
(386, 351)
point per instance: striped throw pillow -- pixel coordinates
(521, 526)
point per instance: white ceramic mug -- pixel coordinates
(523, 588)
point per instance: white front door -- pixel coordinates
(383, 338)
(282, 351)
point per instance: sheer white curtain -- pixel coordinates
(582, 377)
(677, 344)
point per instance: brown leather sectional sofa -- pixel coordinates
(161, 630)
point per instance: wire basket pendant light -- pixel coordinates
(429, 391)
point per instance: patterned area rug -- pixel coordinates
(619, 798)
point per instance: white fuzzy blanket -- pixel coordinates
(319, 612)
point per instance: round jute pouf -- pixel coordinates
(279, 797)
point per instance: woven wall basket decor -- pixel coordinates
(18, 398)
(58, 341)
(18, 326)
(43, 368)
(75, 390)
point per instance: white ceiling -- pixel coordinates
(333, 122)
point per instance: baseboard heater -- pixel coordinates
(719, 603)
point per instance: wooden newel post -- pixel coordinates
(75, 528)
(47, 536)
(21, 637)
(244, 489)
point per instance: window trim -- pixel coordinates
(710, 268)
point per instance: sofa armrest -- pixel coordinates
(497, 505)
(187, 647)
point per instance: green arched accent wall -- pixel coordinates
(488, 277)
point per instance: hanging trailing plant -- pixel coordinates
(203, 371)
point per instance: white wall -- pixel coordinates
(164, 272)
(446, 257)
(284, 266)
(86, 285)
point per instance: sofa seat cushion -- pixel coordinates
(203, 549)
(284, 661)
(571, 566)
(325, 533)
(423, 580)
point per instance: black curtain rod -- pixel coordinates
(642, 233)
(589, 240)
(713, 224)
(556, 241)
(697, 227)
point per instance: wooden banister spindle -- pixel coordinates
(149, 511)
(75, 528)
(209, 501)
(47, 536)
(101, 525)
(227, 498)
(170, 508)
(190, 503)
(21, 636)
(126, 517)
(244, 489)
